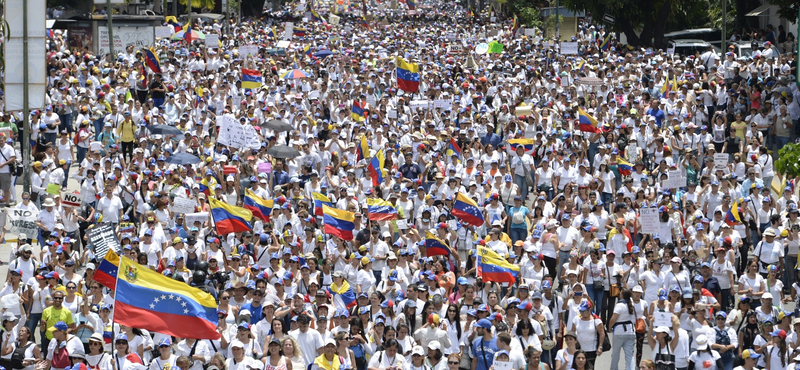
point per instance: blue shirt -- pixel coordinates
(658, 114)
(281, 178)
(491, 138)
(255, 312)
(484, 354)
(524, 210)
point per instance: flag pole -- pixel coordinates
(114, 309)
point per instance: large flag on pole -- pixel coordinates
(148, 300)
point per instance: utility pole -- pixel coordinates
(110, 30)
(26, 115)
(558, 23)
(722, 46)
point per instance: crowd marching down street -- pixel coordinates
(429, 188)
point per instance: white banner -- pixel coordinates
(568, 48)
(443, 103)
(163, 32)
(22, 222)
(721, 162)
(71, 199)
(139, 37)
(183, 205)
(232, 133)
(648, 217)
(676, 180)
(333, 20)
(191, 218)
(212, 41)
(247, 50)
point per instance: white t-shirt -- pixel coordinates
(705, 360)
(621, 309)
(309, 342)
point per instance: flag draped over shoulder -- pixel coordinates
(106, 273)
(148, 300)
(606, 43)
(407, 75)
(492, 267)
(229, 219)
(343, 296)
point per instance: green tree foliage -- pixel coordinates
(787, 8)
(650, 18)
(526, 11)
(788, 162)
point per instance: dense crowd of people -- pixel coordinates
(616, 135)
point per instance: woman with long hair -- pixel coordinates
(274, 358)
(343, 340)
(777, 353)
(565, 355)
(595, 272)
(622, 325)
(455, 330)
(526, 335)
(581, 362)
(25, 340)
(293, 353)
(752, 285)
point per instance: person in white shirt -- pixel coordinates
(110, 206)
(310, 341)
(239, 361)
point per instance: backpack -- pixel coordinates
(18, 356)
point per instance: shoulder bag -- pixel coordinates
(613, 290)
(665, 361)
(640, 326)
(527, 172)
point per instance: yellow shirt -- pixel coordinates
(50, 316)
(740, 128)
(125, 131)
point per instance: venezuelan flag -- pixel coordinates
(362, 150)
(376, 168)
(466, 209)
(106, 273)
(315, 16)
(343, 296)
(363, 22)
(229, 219)
(307, 50)
(205, 188)
(435, 246)
(319, 201)
(251, 79)
(492, 267)
(625, 168)
(358, 111)
(261, 208)
(411, 4)
(526, 144)
(586, 122)
(606, 43)
(152, 60)
(187, 35)
(472, 12)
(172, 21)
(271, 33)
(514, 25)
(148, 300)
(733, 217)
(380, 210)
(453, 148)
(407, 75)
(338, 222)
(299, 32)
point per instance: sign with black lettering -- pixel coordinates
(71, 199)
(103, 238)
(22, 221)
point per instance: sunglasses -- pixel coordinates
(453, 363)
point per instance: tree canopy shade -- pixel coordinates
(788, 161)
(651, 17)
